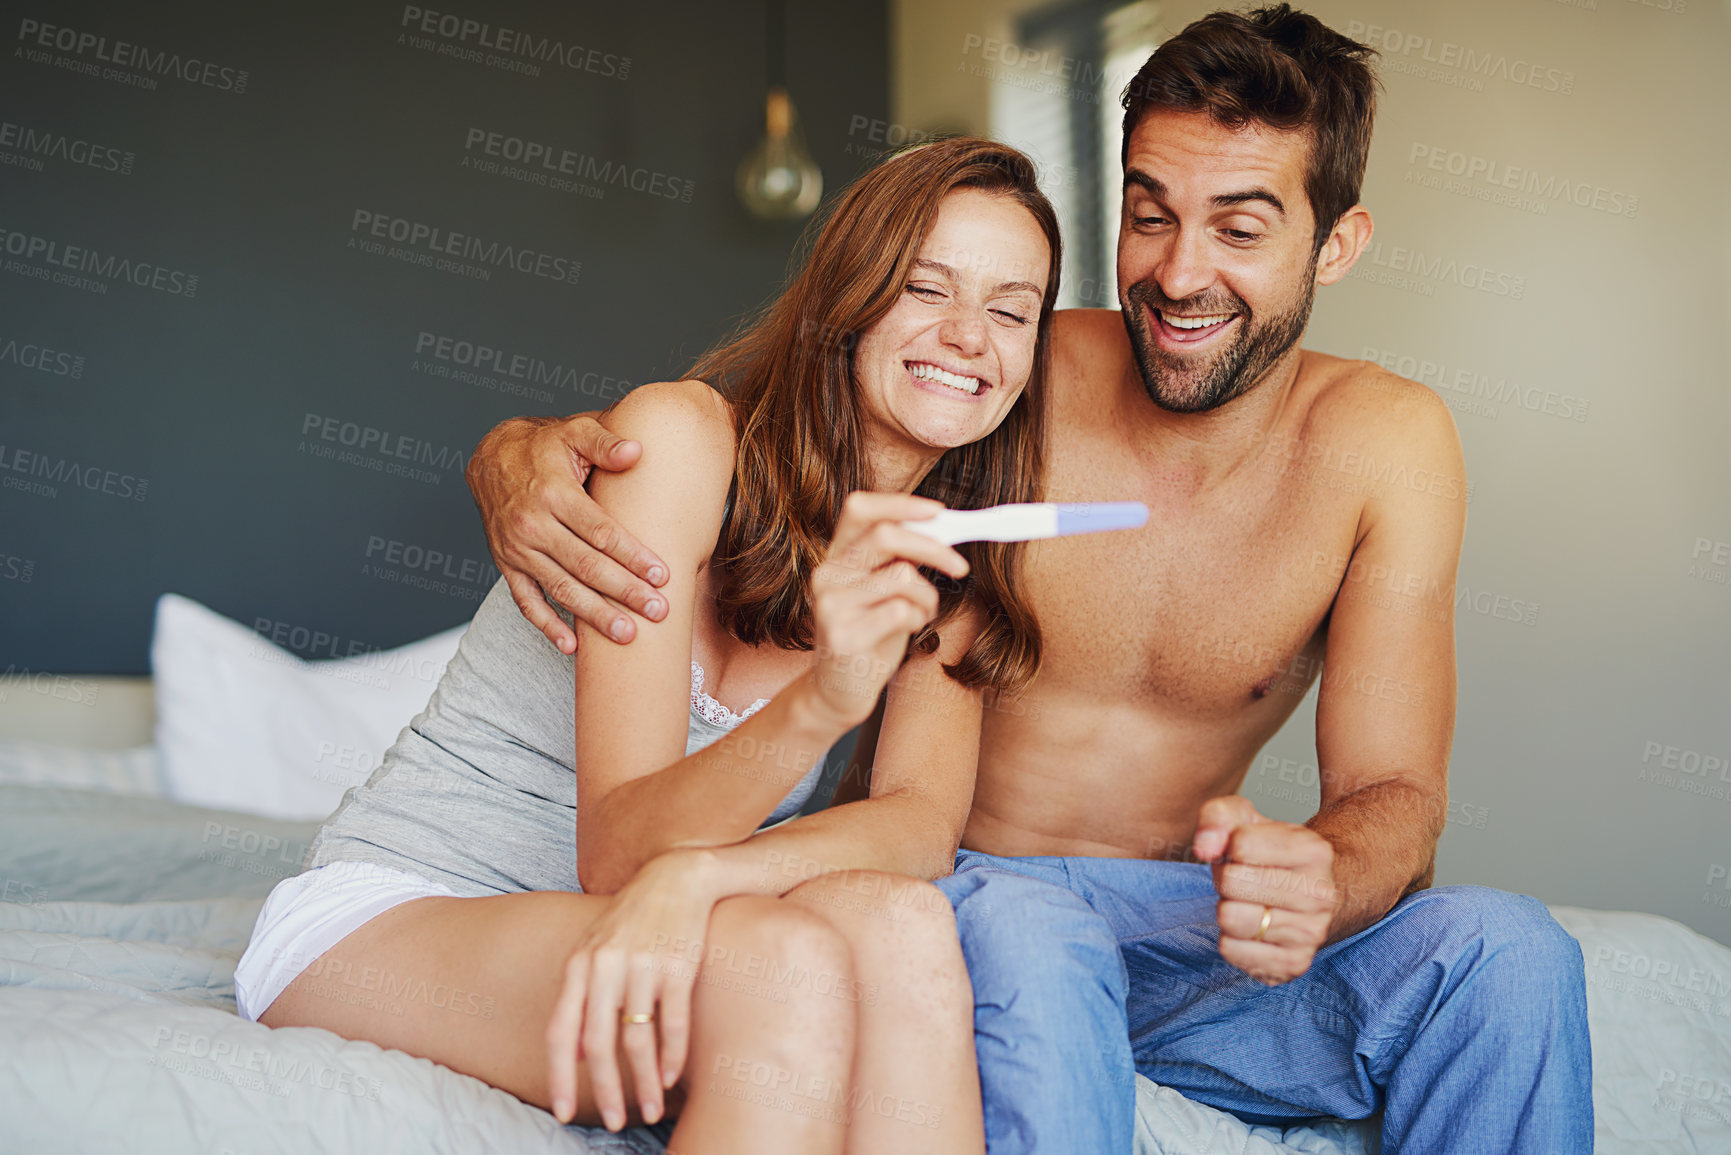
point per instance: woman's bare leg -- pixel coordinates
(916, 1085)
(769, 1050)
(470, 983)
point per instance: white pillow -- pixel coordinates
(243, 724)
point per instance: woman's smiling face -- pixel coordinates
(946, 363)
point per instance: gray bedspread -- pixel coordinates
(117, 1017)
(124, 916)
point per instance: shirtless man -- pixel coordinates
(1306, 522)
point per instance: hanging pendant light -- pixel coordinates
(779, 180)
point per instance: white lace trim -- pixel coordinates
(714, 712)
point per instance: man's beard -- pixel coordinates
(1179, 387)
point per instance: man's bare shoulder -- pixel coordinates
(1387, 429)
(1090, 358)
(1363, 402)
(1089, 339)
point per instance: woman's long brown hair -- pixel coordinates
(789, 375)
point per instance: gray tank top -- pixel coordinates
(479, 793)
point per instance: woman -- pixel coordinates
(778, 985)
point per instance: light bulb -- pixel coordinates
(779, 180)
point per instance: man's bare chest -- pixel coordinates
(1215, 605)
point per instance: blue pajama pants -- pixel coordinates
(1461, 1014)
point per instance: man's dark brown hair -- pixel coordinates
(1278, 67)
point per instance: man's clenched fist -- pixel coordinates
(1276, 884)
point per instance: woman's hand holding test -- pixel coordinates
(869, 598)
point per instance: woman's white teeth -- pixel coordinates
(1194, 322)
(945, 377)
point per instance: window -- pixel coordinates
(1057, 100)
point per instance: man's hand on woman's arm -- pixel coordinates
(550, 540)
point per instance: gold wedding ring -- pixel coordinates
(649, 1018)
(1267, 917)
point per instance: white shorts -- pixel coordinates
(307, 915)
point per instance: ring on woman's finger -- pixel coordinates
(638, 1018)
(1267, 920)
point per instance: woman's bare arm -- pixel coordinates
(923, 761)
(639, 795)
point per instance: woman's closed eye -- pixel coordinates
(928, 293)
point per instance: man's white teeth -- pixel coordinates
(945, 377)
(1194, 322)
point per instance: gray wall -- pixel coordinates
(1580, 338)
(194, 435)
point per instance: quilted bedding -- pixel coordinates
(125, 916)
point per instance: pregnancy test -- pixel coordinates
(1030, 521)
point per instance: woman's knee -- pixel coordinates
(893, 924)
(866, 904)
(780, 950)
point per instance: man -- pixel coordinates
(1307, 515)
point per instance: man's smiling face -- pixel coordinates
(1216, 260)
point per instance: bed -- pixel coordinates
(126, 905)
